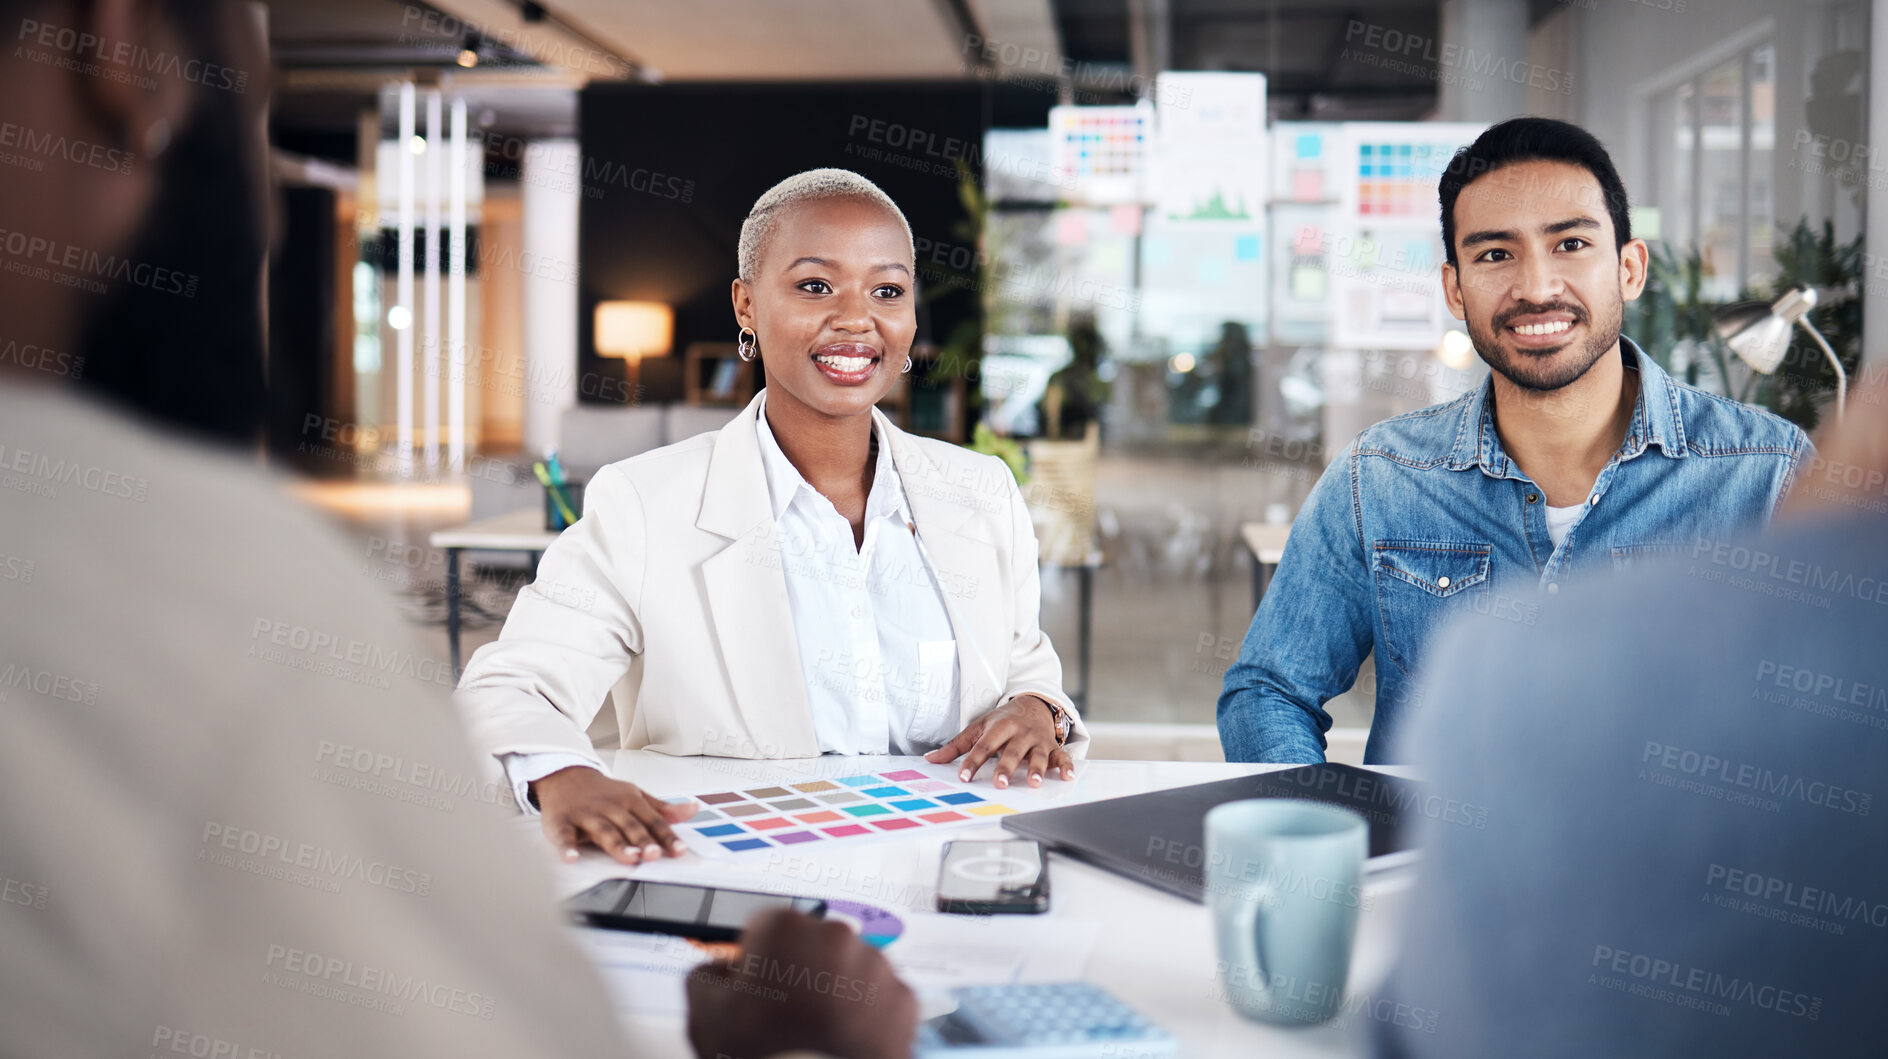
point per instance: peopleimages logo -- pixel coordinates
(1813, 899)
(378, 982)
(279, 857)
(1704, 985)
(28, 251)
(1710, 768)
(1788, 574)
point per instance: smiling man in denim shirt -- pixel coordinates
(1576, 453)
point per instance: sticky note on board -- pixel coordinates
(1211, 270)
(1125, 219)
(1307, 185)
(1157, 251)
(1245, 248)
(1307, 283)
(1071, 229)
(1309, 145)
(1308, 240)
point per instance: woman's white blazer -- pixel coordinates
(667, 599)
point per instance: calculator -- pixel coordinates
(1064, 1020)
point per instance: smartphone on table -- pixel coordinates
(705, 913)
(993, 877)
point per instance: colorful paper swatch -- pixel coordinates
(876, 926)
(793, 814)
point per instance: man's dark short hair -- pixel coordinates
(1530, 140)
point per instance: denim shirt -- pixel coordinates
(1425, 517)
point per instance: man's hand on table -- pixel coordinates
(801, 984)
(580, 804)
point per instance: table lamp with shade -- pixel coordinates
(1759, 333)
(634, 330)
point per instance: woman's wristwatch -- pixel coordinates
(1063, 724)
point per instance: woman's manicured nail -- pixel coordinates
(1035, 779)
(963, 775)
(570, 854)
(1002, 781)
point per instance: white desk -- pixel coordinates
(514, 531)
(1153, 950)
(1266, 543)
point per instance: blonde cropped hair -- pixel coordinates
(812, 185)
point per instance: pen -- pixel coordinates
(557, 495)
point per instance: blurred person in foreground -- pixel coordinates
(1686, 849)
(189, 855)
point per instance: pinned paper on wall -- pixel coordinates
(1386, 235)
(1211, 157)
(1102, 149)
(1301, 254)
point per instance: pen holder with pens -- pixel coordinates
(558, 516)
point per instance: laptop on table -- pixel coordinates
(1159, 838)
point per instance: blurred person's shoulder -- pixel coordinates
(1640, 741)
(174, 568)
(1666, 629)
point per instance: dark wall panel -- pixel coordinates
(669, 172)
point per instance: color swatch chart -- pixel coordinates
(796, 813)
(1399, 179)
(1102, 151)
(1105, 144)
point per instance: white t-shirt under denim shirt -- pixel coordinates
(877, 649)
(1560, 520)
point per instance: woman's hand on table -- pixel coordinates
(581, 804)
(1020, 734)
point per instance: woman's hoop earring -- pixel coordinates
(748, 344)
(906, 370)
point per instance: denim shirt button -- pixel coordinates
(1442, 582)
(1533, 497)
(1592, 500)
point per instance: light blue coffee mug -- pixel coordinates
(1284, 879)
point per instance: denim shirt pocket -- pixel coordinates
(1419, 585)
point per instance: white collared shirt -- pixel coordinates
(876, 644)
(877, 650)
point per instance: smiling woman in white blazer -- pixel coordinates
(809, 579)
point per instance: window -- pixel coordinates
(1713, 146)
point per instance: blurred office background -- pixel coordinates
(1174, 254)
